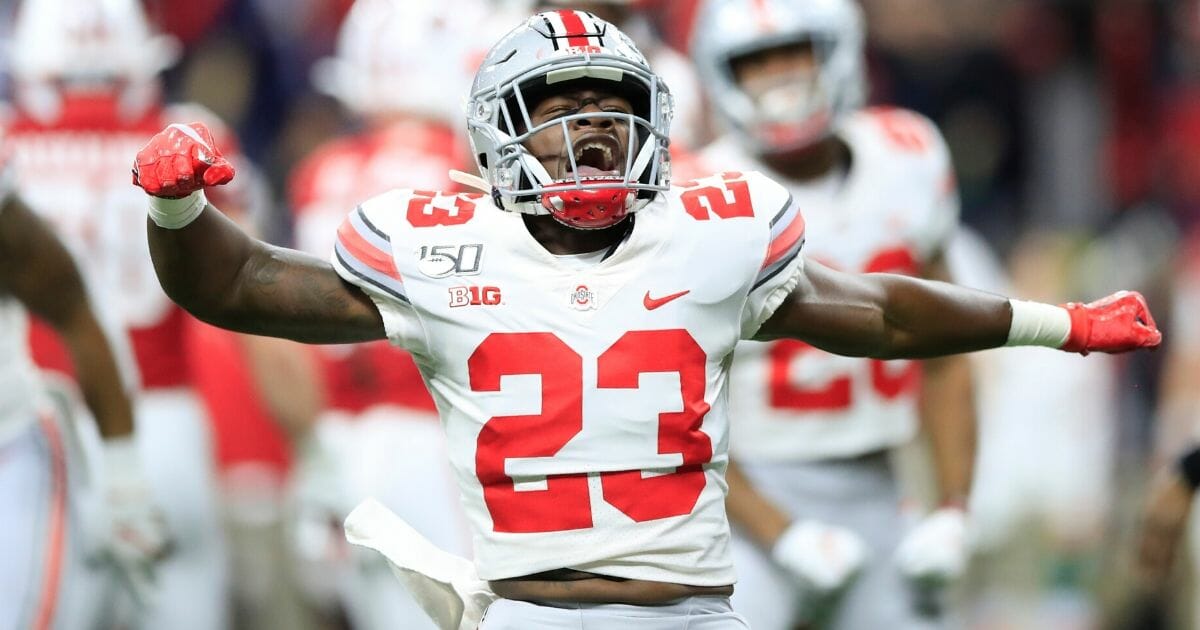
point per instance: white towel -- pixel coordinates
(443, 584)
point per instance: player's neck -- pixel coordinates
(561, 240)
(811, 162)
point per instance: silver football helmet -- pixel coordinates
(550, 52)
(796, 113)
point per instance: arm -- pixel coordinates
(37, 269)
(288, 378)
(934, 551)
(822, 558)
(755, 514)
(947, 410)
(224, 277)
(210, 267)
(888, 316)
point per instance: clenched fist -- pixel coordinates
(179, 161)
(1117, 323)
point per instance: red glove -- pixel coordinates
(180, 160)
(1118, 323)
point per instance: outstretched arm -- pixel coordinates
(888, 316)
(224, 277)
(37, 270)
(209, 266)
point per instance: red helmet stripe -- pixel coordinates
(576, 32)
(763, 15)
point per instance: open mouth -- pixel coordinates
(598, 156)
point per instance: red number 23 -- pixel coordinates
(565, 503)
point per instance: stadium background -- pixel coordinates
(1075, 131)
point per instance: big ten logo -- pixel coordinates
(428, 208)
(474, 296)
(440, 261)
(726, 196)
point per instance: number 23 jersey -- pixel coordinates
(584, 409)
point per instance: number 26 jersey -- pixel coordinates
(584, 409)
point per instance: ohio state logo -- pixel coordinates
(583, 298)
(474, 296)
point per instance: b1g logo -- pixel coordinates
(441, 261)
(474, 296)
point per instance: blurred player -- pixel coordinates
(813, 431)
(690, 128)
(402, 68)
(50, 537)
(580, 376)
(86, 93)
(1167, 513)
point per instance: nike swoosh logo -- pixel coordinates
(653, 303)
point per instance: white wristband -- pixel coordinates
(1037, 324)
(121, 460)
(173, 214)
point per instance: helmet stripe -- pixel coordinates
(762, 15)
(574, 29)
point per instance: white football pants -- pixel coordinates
(46, 579)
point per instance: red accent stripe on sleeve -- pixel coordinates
(55, 529)
(577, 34)
(367, 253)
(784, 242)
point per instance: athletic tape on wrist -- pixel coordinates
(173, 214)
(1037, 324)
(121, 459)
(1189, 467)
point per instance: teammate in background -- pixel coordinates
(690, 128)
(580, 377)
(1171, 499)
(49, 577)
(816, 502)
(86, 93)
(403, 69)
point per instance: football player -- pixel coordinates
(403, 69)
(1171, 501)
(49, 578)
(815, 500)
(86, 93)
(581, 375)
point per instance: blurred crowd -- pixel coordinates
(1074, 127)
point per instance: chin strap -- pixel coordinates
(470, 181)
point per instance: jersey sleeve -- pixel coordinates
(941, 220)
(363, 256)
(779, 217)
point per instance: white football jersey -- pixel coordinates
(584, 408)
(895, 207)
(75, 174)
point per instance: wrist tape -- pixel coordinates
(1037, 324)
(121, 458)
(173, 214)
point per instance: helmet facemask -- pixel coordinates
(597, 181)
(787, 116)
(789, 110)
